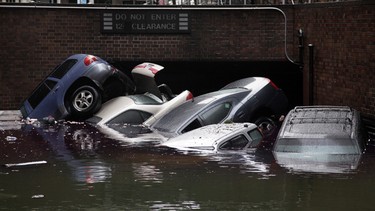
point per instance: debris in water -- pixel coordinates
(26, 164)
(37, 196)
(30, 121)
(11, 138)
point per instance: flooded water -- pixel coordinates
(78, 167)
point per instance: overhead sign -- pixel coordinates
(148, 22)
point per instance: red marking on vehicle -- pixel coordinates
(89, 60)
(140, 66)
(153, 70)
(190, 96)
(274, 85)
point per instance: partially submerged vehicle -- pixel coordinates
(255, 99)
(154, 102)
(218, 138)
(121, 118)
(76, 88)
(315, 138)
(136, 109)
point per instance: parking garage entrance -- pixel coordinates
(205, 76)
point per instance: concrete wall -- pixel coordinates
(34, 40)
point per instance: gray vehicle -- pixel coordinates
(321, 130)
(320, 139)
(255, 99)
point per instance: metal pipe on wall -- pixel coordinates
(311, 74)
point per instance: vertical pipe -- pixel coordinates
(311, 74)
(301, 48)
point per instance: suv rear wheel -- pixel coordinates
(85, 101)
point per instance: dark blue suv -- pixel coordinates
(76, 88)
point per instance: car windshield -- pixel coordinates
(145, 99)
(328, 145)
(236, 143)
(133, 117)
(175, 118)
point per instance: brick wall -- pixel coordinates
(344, 38)
(34, 40)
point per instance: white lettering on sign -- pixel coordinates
(154, 26)
(145, 22)
(137, 17)
(120, 16)
(168, 17)
(119, 26)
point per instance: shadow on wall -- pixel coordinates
(203, 76)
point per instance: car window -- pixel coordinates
(61, 70)
(328, 145)
(133, 117)
(256, 136)
(193, 125)
(173, 120)
(236, 143)
(41, 92)
(216, 114)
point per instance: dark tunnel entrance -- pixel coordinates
(201, 77)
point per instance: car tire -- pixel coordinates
(265, 124)
(84, 102)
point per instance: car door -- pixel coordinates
(48, 98)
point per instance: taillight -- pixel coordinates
(274, 85)
(190, 96)
(90, 59)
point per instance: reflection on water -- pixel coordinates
(143, 172)
(86, 169)
(91, 172)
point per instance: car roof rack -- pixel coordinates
(319, 114)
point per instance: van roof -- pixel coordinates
(313, 121)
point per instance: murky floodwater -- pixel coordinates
(85, 169)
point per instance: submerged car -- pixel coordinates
(136, 109)
(121, 118)
(320, 139)
(154, 102)
(321, 130)
(77, 88)
(218, 137)
(255, 99)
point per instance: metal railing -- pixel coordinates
(175, 2)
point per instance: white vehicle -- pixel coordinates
(150, 104)
(136, 109)
(218, 137)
